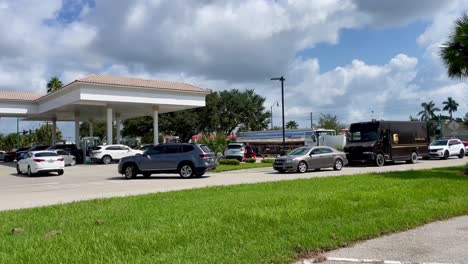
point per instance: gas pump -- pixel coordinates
(87, 145)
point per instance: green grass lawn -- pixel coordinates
(259, 223)
(242, 166)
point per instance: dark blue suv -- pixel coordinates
(189, 160)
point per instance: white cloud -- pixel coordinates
(228, 44)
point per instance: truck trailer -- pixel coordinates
(381, 142)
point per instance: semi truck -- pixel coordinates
(382, 142)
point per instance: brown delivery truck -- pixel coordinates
(380, 142)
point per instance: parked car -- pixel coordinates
(2, 155)
(22, 154)
(235, 151)
(40, 161)
(108, 153)
(189, 160)
(11, 156)
(68, 158)
(445, 148)
(466, 146)
(72, 149)
(304, 159)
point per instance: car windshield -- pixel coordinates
(299, 151)
(439, 143)
(45, 154)
(236, 146)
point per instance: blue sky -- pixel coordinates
(344, 57)
(372, 45)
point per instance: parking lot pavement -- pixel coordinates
(85, 182)
(438, 242)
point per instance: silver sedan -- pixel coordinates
(69, 159)
(304, 159)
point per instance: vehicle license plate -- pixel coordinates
(50, 161)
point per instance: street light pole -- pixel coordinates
(282, 79)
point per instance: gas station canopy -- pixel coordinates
(104, 98)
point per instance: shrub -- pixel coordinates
(268, 160)
(229, 162)
(339, 148)
(250, 160)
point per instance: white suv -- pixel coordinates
(106, 154)
(444, 148)
(235, 151)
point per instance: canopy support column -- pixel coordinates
(54, 131)
(155, 125)
(77, 129)
(118, 126)
(109, 125)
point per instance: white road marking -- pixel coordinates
(356, 260)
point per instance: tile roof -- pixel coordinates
(136, 82)
(15, 96)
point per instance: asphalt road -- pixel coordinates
(84, 182)
(438, 242)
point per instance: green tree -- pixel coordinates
(139, 127)
(216, 143)
(428, 111)
(292, 124)
(412, 118)
(183, 124)
(465, 119)
(328, 121)
(54, 84)
(454, 53)
(99, 129)
(450, 106)
(43, 135)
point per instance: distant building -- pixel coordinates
(271, 141)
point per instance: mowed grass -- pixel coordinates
(260, 223)
(242, 166)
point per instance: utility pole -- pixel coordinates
(282, 79)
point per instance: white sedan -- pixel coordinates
(40, 161)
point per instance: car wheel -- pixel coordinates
(462, 154)
(129, 172)
(146, 175)
(186, 171)
(29, 171)
(413, 158)
(446, 155)
(302, 167)
(18, 171)
(106, 159)
(73, 162)
(60, 172)
(379, 160)
(338, 165)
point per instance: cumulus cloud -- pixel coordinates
(226, 44)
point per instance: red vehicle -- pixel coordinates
(11, 156)
(466, 145)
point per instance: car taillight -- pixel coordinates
(204, 156)
(60, 159)
(39, 160)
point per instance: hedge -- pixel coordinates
(229, 162)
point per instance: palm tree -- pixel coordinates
(450, 106)
(428, 111)
(54, 84)
(454, 53)
(292, 125)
